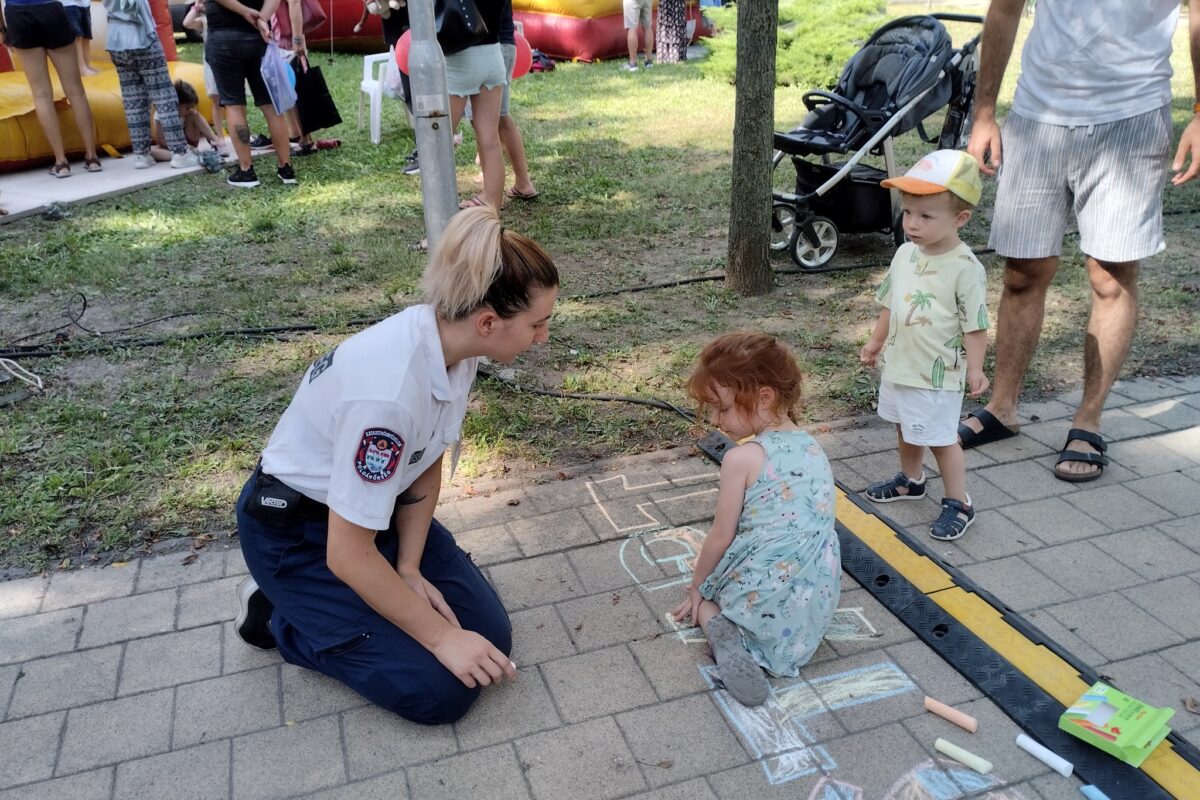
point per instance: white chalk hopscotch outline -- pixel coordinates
(775, 731)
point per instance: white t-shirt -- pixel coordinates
(370, 416)
(1087, 62)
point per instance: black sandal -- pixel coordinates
(1098, 458)
(92, 164)
(61, 170)
(991, 430)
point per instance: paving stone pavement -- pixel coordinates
(128, 682)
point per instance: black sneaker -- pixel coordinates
(954, 520)
(412, 168)
(243, 178)
(258, 140)
(287, 175)
(253, 623)
(411, 158)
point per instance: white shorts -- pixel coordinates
(470, 71)
(637, 12)
(927, 417)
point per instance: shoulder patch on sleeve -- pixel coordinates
(320, 365)
(378, 454)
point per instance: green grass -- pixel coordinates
(130, 446)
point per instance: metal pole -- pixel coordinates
(431, 113)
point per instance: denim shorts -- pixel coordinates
(236, 57)
(472, 70)
(39, 25)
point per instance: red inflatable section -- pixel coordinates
(588, 38)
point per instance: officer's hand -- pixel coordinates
(473, 659)
(428, 592)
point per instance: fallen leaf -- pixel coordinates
(189, 559)
(616, 598)
(666, 763)
(514, 502)
(119, 564)
(562, 476)
(1191, 705)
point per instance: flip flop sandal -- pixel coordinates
(992, 430)
(474, 201)
(1098, 458)
(515, 195)
(92, 164)
(742, 676)
(61, 170)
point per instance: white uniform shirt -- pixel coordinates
(370, 416)
(1088, 62)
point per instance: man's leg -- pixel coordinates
(1018, 327)
(631, 40)
(1109, 333)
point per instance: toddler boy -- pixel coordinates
(934, 325)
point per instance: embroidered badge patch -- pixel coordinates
(378, 454)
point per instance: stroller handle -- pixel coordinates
(948, 17)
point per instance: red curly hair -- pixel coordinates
(744, 362)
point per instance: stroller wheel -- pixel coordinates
(815, 242)
(783, 225)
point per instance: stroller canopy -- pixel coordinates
(899, 61)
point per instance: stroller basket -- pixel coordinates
(858, 202)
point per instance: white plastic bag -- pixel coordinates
(278, 77)
(393, 87)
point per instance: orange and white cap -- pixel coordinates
(942, 171)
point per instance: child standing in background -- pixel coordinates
(197, 21)
(934, 324)
(766, 583)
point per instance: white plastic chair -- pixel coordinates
(372, 87)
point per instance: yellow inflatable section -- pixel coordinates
(22, 144)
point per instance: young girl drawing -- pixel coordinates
(767, 580)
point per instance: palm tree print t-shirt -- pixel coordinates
(934, 300)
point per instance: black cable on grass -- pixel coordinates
(58, 347)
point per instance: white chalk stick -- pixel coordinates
(964, 721)
(1048, 757)
(1092, 793)
(980, 765)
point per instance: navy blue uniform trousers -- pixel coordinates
(320, 623)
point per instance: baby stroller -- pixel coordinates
(905, 72)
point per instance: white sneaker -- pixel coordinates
(185, 160)
(143, 161)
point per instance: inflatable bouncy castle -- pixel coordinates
(22, 144)
(585, 30)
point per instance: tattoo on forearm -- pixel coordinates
(409, 498)
(243, 133)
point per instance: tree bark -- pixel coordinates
(749, 268)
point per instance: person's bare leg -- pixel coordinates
(239, 134)
(66, 64)
(953, 466)
(85, 57)
(650, 41)
(485, 112)
(1018, 327)
(514, 146)
(1109, 334)
(277, 126)
(37, 75)
(632, 42)
(911, 458)
(707, 610)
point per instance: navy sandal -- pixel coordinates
(1098, 458)
(889, 491)
(953, 522)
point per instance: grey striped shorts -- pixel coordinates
(1110, 175)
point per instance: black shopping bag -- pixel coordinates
(313, 102)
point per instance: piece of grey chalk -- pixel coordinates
(980, 765)
(1048, 757)
(1092, 793)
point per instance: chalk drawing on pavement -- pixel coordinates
(639, 517)
(776, 732)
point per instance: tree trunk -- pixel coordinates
(749, 268)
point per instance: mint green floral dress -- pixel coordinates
(780, 578)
